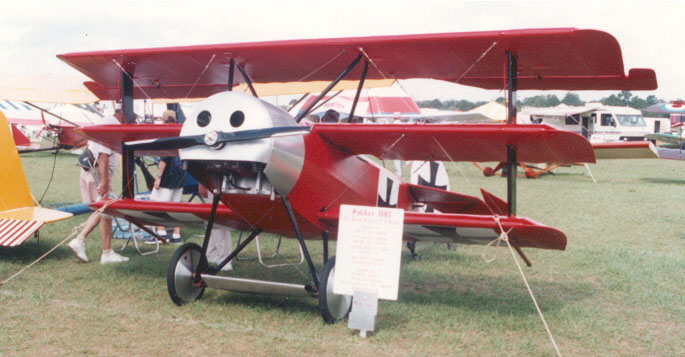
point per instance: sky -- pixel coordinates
(651, 33)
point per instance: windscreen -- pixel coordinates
(631, 120)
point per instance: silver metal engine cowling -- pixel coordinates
(281, 157)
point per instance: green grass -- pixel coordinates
(618, 289)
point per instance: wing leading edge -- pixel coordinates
(564, 58)
(171, 213)
(464, 142)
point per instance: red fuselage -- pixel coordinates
(330, 177)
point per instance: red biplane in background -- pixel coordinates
(270, 174)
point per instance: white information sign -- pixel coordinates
(369, 251)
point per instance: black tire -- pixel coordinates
(180, 274)
(333, 307)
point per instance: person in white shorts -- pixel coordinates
(168, 185)
(96, 184)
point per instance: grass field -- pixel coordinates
(618, 289)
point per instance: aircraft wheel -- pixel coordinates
(179, 278)
(333, 307)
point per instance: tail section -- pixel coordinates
(19, 218)
(19, 138)
(14, 190)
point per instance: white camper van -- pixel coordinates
(595, 121)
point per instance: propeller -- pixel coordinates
(215, 139)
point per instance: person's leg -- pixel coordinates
(89, 194)
(106, 233)
(220, 246)
(158, 195)
(176, 195)
(108, 255)
(78, 244)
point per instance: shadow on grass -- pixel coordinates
(662, 180)
(266, 302)
(435, 280)
(31, 250)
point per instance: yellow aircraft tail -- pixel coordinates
(20, 216)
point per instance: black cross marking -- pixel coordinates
(385, 202)
(433, 177)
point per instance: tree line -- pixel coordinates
(622, 99)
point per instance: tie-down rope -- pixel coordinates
(504, 236)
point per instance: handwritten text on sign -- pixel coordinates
(369, 251)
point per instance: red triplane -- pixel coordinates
(273, 175)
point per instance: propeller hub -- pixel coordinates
(211, 138)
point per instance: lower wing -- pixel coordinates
(170, 213)
(473, 221)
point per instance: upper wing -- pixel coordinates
(463, 142)
(547, 59)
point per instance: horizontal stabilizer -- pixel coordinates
(496, 204)
(446, 201)
(625, 150)
(15, 231)
(462, 142)
(17, 225)
(35, 214)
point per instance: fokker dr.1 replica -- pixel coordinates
(270, 174)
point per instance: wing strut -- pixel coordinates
(247, 80)
(127, 169)
(511, 120)
(359, 90)
(342, 75)
(231, 68)
(126, 91)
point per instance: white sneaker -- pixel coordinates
(79, 249)
(112, 257)
(227, 267)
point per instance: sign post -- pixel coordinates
(368, 255)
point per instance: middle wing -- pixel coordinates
(463, 142)
(113, 136)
